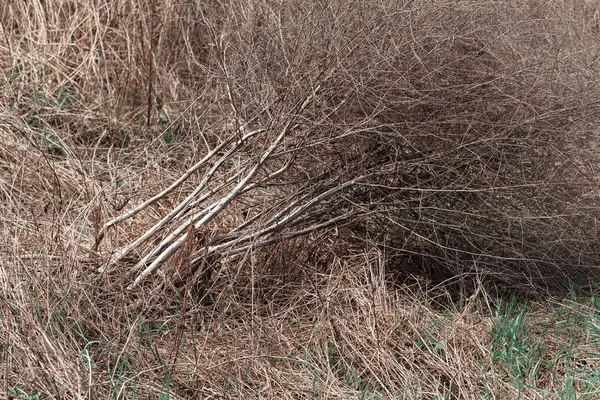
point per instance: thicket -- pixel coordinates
(458, 138)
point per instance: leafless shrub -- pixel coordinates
(441, 132)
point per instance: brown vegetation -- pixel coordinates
(232, 197)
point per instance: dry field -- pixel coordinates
(277, 199)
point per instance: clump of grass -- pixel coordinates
(544, 349)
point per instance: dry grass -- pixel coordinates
(384, 173)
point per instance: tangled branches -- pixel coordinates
(455, 146)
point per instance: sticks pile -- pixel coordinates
(194, 214)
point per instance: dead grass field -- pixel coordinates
(299, 199)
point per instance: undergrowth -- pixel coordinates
(303, 200)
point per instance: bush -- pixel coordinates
(455, 136)
(445, 134)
